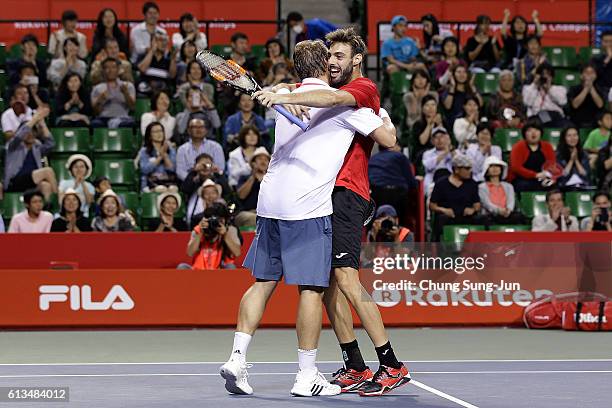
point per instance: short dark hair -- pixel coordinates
(484, 126)
(63, 209)
(310, 58)
(29, 194)
(599, 194)
(70, 40)
(110, 59)
(69, 15)
(600, 115)
(110, 40)
(155, 98)
(24, 65)
(244, 131)
(545, 66)
(587, 65)
(552, 193)
(606, 33)
(532, 123)
(294, 16)
(203, 156)
(29, 38)
(348, 36)
(238, 36)
(148, 5)
(534, 37)
(217, 209)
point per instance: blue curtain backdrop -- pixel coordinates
(603, 14)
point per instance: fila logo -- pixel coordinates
(80, 297)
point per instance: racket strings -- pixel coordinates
(227, 71)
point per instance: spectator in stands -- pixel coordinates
(420, 87)
(198, 144)
(545, 100)
(603, 62)
(112, 99)
(482, 49)
(600, 214)
(574, 160)
(275, 54)
(195, 78)
(157, 161)
(525, 68)
(438, 157)
(24, 152)
(228, 97)
(71, 218)
(461, 85)
(167, 206)
(314, 29)
(391, 178)
(432, 38)
(107, 28)
(187, 55)
(245, 116)
(496, 195)
(479, 152)
(604, 166)
(248, 188)
(29, 55)
(101, 184)
(386, 227)
(506, 103)
(454, 199)
(239, 164)
(33, 219)
(111, 50)
(214, 242)
(160, 104)
(57, 40)
(111, 218)
(400, 52)
(197, 106)
(558, 217)
(19, 112)
(464, 128)
(587, 99)
(206, 196)
(189, 30)
(515, 37)
(72, 104)
(204, 169)
(528, 158)
(80, 168)
(450, 59)
(598, 137)
(38, 96)
(157, 67)
(143, 33)
(423, 128)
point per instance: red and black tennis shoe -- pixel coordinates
(385, 380)
(350, 380)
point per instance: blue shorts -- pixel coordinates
(298, 250)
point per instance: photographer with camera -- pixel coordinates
(214, 242)
(600, 214)
(386, 228)
(545, 100)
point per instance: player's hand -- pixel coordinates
(278, 87)
(267, 99)
(203, 225)
(299, 111)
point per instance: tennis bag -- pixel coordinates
(571, 311)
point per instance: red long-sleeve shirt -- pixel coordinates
(519, 155)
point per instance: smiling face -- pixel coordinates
(341, 64)
(602, 201)
(112, 49)
(108, 19)
(195, 72)
(430, 108)
(241, 46)
(190, 50)
(470, 107)
(71, 49)
(74, 83)
(71, 204)
(78, 169)
(151, 16)
(450, 49)
(555, 201)
(251, 138)
(157, 134)
(461, 74)
(169, 205)
(572, 138)
(494, 171)
(110, 207)
(197, 129)
(188, 26)
(246, 104)
(163, 102)
(441, 141)
(210, 194)
(274, 49)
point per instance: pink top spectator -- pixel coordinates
(23, 223)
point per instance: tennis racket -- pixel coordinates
(231, 74)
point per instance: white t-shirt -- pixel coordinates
(10, 121)
(304, 165)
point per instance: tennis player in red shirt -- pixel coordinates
(351, 201)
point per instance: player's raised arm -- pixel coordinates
(320, 98)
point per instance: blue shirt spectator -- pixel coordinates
(187, 153)
(157, 159)
(391, 168)
(245, 116)
(399, 52)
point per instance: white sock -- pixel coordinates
(241, 344)
(307, 359)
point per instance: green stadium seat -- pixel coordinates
(510, 228)
(71, 140)
(580, 202)
(143, 105)
(2, 54)
(15, 51)
(119, 172)
(552, 136)
(533, 203)
(11, 205)
(59, 167)
(567, 78)
(2, 105)
(561, 57)
(400, 82)
(486, 83)
(131, 200)
(3, 80)
(506, 138)
(113, 142)
(258, 51)
(222, 49)
(586, 53)
(584, 133)
(458, 233)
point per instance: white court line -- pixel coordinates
(293, 373)
(295, 362)
(442, 394)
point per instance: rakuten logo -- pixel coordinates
(589, 318)
(80, 298)
(440, 298)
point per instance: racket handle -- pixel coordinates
(292, 118)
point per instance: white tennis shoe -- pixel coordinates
(236, 376)
(310, 383)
